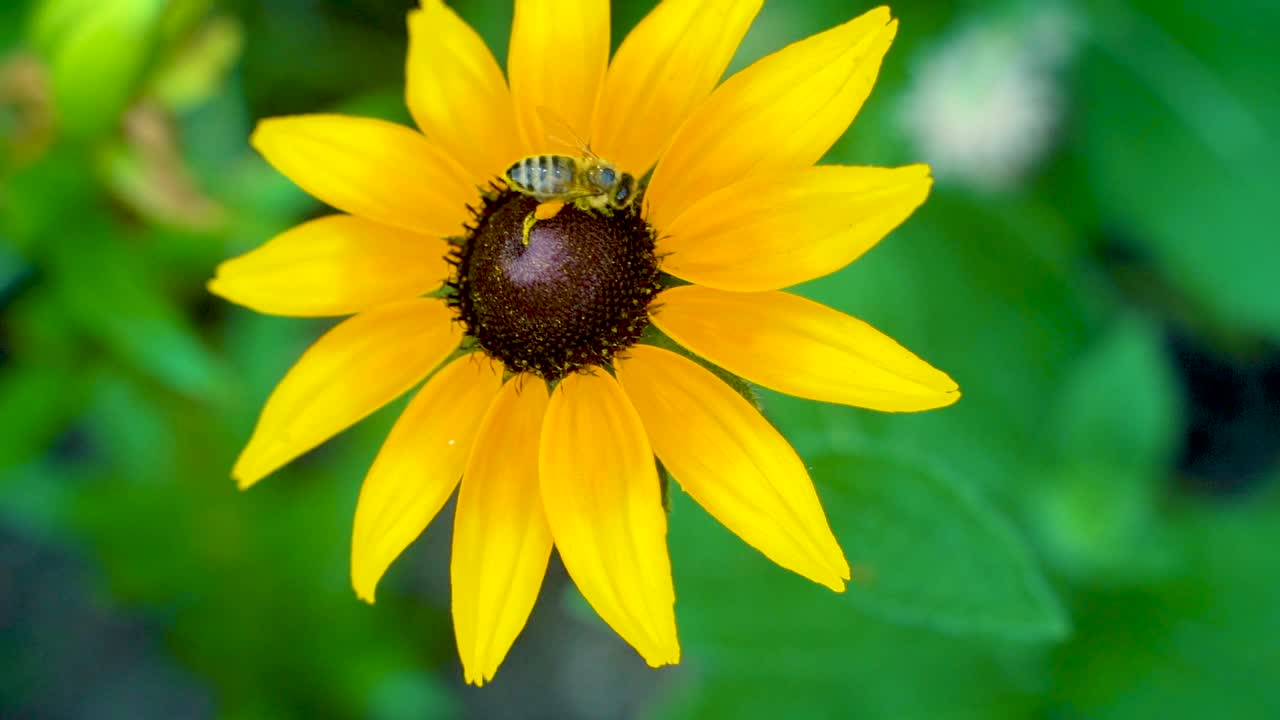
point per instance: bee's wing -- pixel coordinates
(559, 131)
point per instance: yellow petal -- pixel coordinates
(732, 461)
(336, 265)
(666, 66)
(419, 465)
(357, 367)
(770, 232)
(799, 347)
(559, 51)
(501, 542)
(778, 115)
(375, 169)
(457, 94)
(600, 490)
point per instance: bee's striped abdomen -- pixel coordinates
(543, 176)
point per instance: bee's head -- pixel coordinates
(602, 177)
(623, 192)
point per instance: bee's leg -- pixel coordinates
(544, 211)
(529, 220)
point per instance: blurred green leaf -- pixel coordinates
(52, 20)
(927, 552)
(341, 56)
(35, 498)
(255, 585)
(412, 696)
(41, 402)
(38, 403)
(1198, 645)
(180, 16)
(1116, 431)
(1180, 143)
(35, 199)
(97, 52)
(198, 66)
(14, 270)
(111, 295)
(12, 14)
(1121, 403)
(39, 329)
(132, 429)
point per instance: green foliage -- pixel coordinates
(38, 404)
(926, 551)
(138, 324)
(1115, 434)
(97, 52)
(1179, 144)
(1189, 645)
(1120, 403)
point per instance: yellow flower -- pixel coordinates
(548, 394)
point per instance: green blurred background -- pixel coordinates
(1091, 532)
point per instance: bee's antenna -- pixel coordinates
(553, 123)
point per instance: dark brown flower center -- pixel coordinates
(574, 296)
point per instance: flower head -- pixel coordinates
(557, 339)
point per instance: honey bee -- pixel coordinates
(562, 178)
(586, 179)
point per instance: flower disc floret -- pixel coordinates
(571, 298)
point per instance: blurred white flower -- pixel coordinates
(985, 104)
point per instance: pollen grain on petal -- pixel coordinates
(418, 466)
